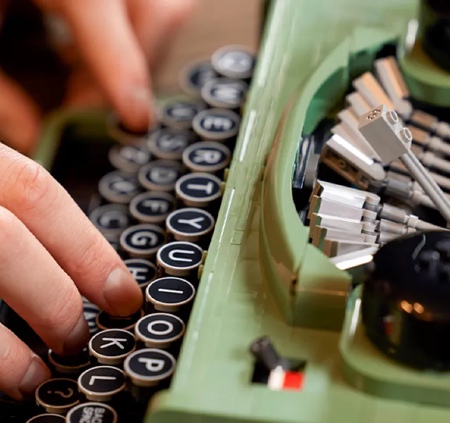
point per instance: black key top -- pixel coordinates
(194, 76)
(57, 395)
(69, 365)
(169, 294)
(169, 144)
(119, 187)
(235, 62)
(180, 258)
(198, 189)
(105, 321)
(143, 271)
(225, 93)
(206, 156)
(47, 418)
(142, 241)
(111, 346)
(90, 312)
(160, 175)
(152, 207)
(101, 383)
(190, 224)
(216, 124)
(159, 330)
(149, 367)
(110, 219)
(92, 412)
(178, 114)
(129, 158)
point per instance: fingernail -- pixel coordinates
(36, 373)
(122, 293)
(78, 338)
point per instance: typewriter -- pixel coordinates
(287, 223)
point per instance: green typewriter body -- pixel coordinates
(262, 276)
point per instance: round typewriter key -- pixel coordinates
(216, 124)
(143, 271)
(149, 366)
(179, 258)
(129, 158)
(194, 76)
(159, 330)
(152, 207)
(170, 143)
(178, 114)
(118, 187)
(90, 312)
(189, 224)
(101, 383)
(159, 175)
(71, 364)
(142, 240)
(57, 395)
(234, 62)
(169, 293)
(225, 93)
(111, 346)
(110, 218)
(105, 321)
(198, 189)
(47, 418)
(206, 156)
(92, 412)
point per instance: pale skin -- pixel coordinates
(49, 250)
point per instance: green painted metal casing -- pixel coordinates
(261, 277)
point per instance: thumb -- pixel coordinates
(19, 117)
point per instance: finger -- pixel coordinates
(108, 44)
(19, 116)
(47, 210)
(46, 298)
(83, 90)
(155, 22)
(21, 371)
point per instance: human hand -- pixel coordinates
(50, 253)
(115, 43)
(49, 250)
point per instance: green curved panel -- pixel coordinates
(261, 276)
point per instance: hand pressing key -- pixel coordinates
(112, 45)
(49, 251)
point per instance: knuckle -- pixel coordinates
(30, 186)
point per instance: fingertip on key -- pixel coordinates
(122, 293)
(78, 338)
(36, 374)
(138, 112)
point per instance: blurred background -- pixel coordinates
(25, 53)
(216, 23)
